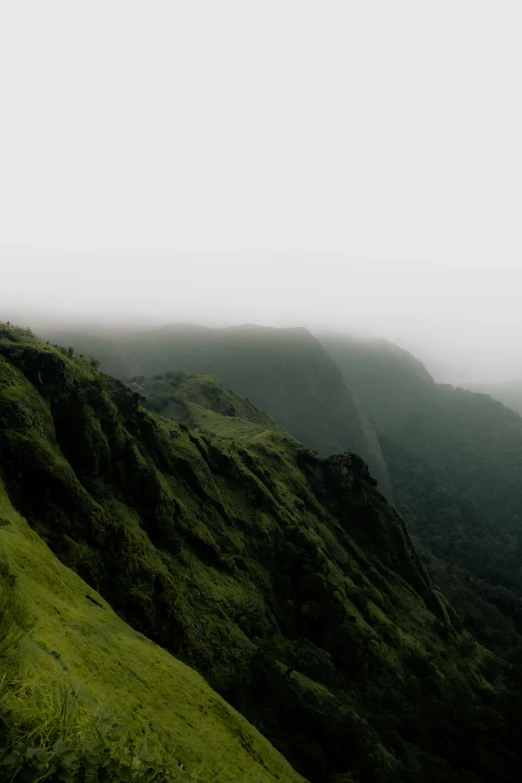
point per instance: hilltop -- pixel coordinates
(283, 577)
(285, 372)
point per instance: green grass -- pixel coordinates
(148, 691)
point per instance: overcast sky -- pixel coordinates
(333, 163)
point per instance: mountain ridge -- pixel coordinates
(284, 577)
(286, 372)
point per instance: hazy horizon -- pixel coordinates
(322, 292)
(328, 165)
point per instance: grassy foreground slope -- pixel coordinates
(148, 692)
(285, 372)
(283, 577)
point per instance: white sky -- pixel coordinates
(339, 163)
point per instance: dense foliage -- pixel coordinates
(284, 577)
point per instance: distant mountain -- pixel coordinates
(509, 393)
(455, 457)
(386, 378)
(286, 372)
(284, 577)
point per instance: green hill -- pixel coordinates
(283, 577)
(179, 396)
(285, 372)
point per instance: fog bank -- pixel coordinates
(464, 323)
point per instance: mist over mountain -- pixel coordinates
(260, 392)
(284, 371)
(189, 433)
(509, 392)
(424, 307)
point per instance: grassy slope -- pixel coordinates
(146, 688)
(283, 371)
(284, 577)
(173, 395)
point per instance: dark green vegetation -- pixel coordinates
(284, 577)
(285, 372)
(450, 460)
(509, 393)
(455, 459)
(84, 693)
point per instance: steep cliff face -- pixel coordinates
(284, 577)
